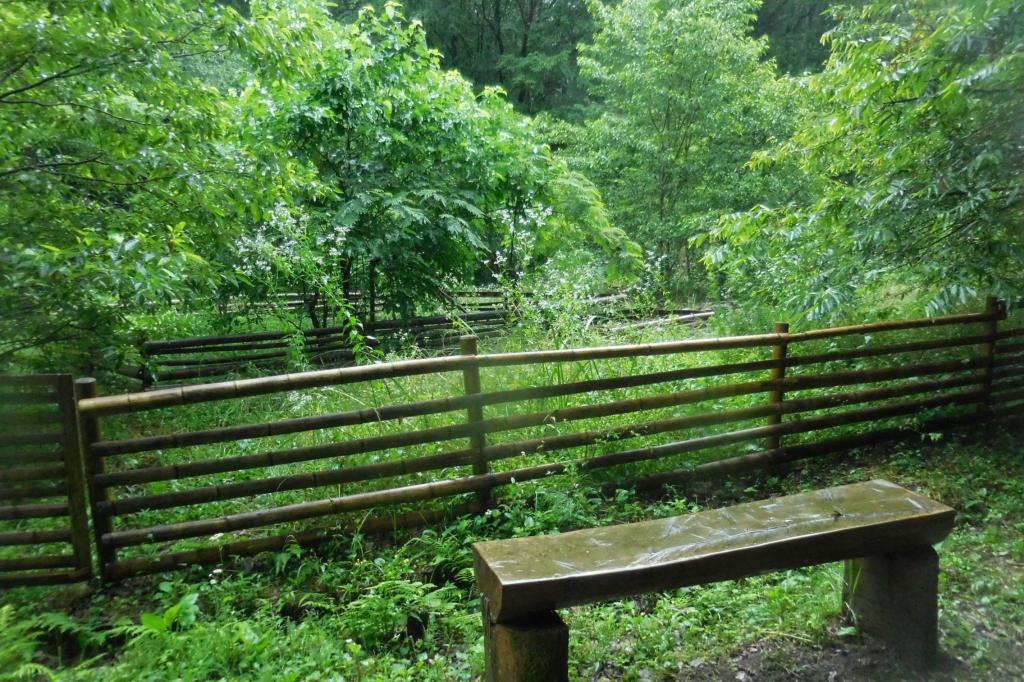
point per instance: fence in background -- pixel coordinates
(206, 357)
(164, 499)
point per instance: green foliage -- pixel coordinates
(684, 97)
(18, 648)
(912, 150)
(426, 176)
(126, 170)
(181, 153)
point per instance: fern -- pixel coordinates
(18, 648)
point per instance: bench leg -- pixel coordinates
(526, 650)
(895, 597)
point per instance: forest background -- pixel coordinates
(173, 157)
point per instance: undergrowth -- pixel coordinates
(404, 607)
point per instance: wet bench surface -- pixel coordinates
(526, 579)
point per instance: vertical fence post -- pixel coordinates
(101, 521)
(67, 405)
(995, 310)
(475, 415)
(775, 397)
(145, 376)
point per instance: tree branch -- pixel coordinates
(76, 105)
(48, 165)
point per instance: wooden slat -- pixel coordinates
(32, 511)
(164, 346)
(892, 325)
(33, 419)
(1008, 396)
(20, 458)
(788, 454)
(1009, 361)
(554, 443)
(1004, 373)
(188, 395)
(313, 343)
(33, 492)
(1010, 333)
(278, 457)
(35, 537)
(40, 561)
(8, 439)
(305, 538)
(44, 473)
(279, 484)
(25, 579)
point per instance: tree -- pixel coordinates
(684, 97)
(128, 165)
(913, 146)
(425, 176)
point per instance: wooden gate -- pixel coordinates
(44, 532)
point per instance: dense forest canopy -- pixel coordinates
(178, 154)
(179, 151)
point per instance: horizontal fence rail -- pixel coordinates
(187, 474)
(44, 536)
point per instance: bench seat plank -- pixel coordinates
(523, 576)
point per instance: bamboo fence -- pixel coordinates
(44, 536)
(696, 409)
(206, 357)
(482, 313)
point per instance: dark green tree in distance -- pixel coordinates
(528, 47)
(794, 29)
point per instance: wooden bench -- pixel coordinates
(883, 531)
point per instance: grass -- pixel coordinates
(405, 607)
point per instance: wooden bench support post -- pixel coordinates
(895, 598)
(526, 650)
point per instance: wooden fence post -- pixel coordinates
(94, 466)
(775, 397)
(475, 415)
(71, 438)
(996, 311)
